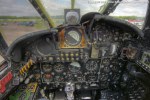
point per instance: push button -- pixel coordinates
(4, 81)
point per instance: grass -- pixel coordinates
(40, 24)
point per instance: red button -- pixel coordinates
(4, 81)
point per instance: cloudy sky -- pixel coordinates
(55, 7)
(17, 8)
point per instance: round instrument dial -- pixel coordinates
(47, 77)
(59, 68)
(73, 37)
(47, 67)
(74, 67)
(91, 65)
(72, 18)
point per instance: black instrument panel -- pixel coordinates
(93, 57)
(69, 72)
(106, 42)
(72, 54)
(101, 60)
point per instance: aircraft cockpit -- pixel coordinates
(88, 57)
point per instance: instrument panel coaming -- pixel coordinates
(106, 42)
(60, 47)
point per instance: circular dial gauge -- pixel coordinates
(91, 65)
(72, 18)
(74, 67)
(47, 77)
(47, 68)
(59, 68)
(73, 37)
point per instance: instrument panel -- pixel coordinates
(69, 72)
(72, 54)
(72, 58)
(71, 44)
(79, 58)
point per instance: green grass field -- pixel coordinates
(39, 23)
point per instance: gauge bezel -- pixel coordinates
(59, 65)
(74, 69)
(62, 40)
(48, 69)
(66, 11)
(89, 63)
(77, 32)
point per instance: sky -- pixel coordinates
(55, 7)
(17, 8)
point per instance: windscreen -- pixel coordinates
(19, 17)
(133, 11)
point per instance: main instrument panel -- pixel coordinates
(97, 58)
(70, 56)
(77, 57)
